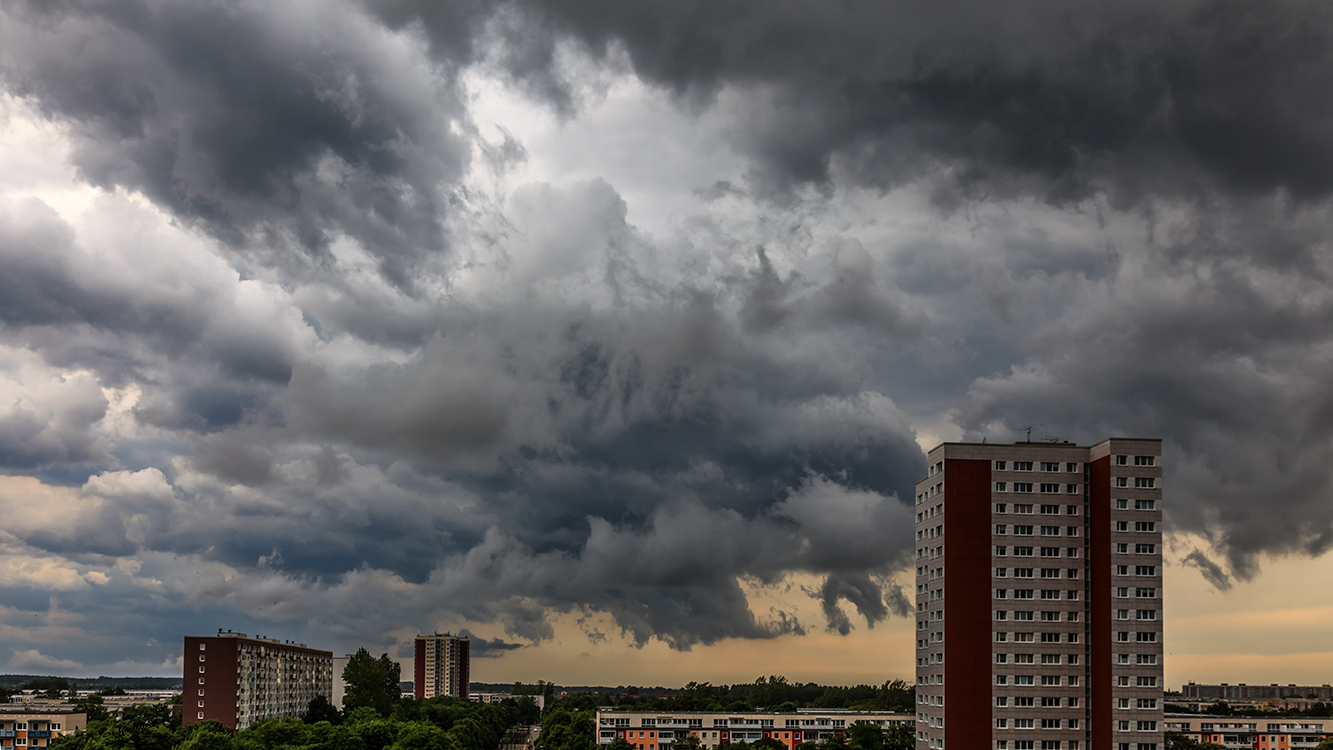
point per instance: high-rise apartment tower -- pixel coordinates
(441, 666)
(1039, 597)
(238, 680)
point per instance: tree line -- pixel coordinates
(772, 693)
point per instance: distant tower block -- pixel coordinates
(441, 666)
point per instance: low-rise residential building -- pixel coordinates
(27, 728)
(1252, 732)
(1267, 693)
(655, 730)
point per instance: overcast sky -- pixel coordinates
(614, 333)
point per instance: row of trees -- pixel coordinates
(432, 724)
(773, 693)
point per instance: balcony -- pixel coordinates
(40, 735)
(7, 733)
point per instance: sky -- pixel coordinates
(613, 334)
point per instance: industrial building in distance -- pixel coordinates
(441, 666)
(1039, 597)
(656, 730)
(238, 681)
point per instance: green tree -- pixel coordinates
(1220, 708)
(92, 706)
(321, 709)
(371, 682)
(865, 736)
(767, 743)
(900, 737)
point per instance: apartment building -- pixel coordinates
(25, 728)
(1235, 732)
(1268, 693)
(1039, 597)
(655, 730)
(441, 666)
(237, 680)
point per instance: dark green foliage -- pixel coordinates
(1177, 741)
(92, 705)
(865, 737)
(321, 709)
(47, 684)
(563, 729)
(371, 682)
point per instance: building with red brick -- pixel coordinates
(441, 666)
(1039, 597)
(238, 681)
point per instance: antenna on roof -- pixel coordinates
(1030, 430)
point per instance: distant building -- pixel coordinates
(540, 700)
(339, 686)
(20, 727)
(656, 730)
(1261, 733)
(441, 666)
(1243, 692)
(238, 681)
(1051, 557)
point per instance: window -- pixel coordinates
(999, 465)
(1050, 489)
(1122, 525)
(1049, 594)
(1145, 637)
(1050, 702)
(1001, 658)
(1071, 531)
(1023, 658)
(1050, 572)
(1122, 549)
(1022, 572)
(1122, 681)
(1023, 487)
(1122, 703)
(1022, 593)
(1001, 551)
(1022, 638)
(1145, 549)
(1001, 614)
(1145, 526)
(1145, 570)
(1145, 460)
(1050, 531)
(1122, 636)
(1023, 679)
(1122, 481)
(1147, 703)
(1147, 726)
(1050, 465)
(1001, 679)
(201, 670)
(1122, 614)
(1145, 505)
(1050, 659)
(1023, 508)
(1071, 510)
(1050, 510)
(1051, 723)
(1001, 637)
(1001, 723)
(1025, 702)
(1072, 573)
(1122, 570)
(1001, 528)
(1145, 614)
(1023, 531)
(1071, 468)
(1145, 659)
(1121, 504)
(1071, 552)
(1073, 658)
(201, 714)
(1073, 637)
(201, 657)
(201, 704)
(1022, 466)
(1122, 592)
(1022, 615)
(201, 680)
(203, 646)
(1145, 483)
(1002, 702)
(1001, 593)
(1001, 572)
(1122, 460)
(1050, 551)
(1071, 489)
(1000, 507)
(1050, 679)
(1022, 552)
(1000, 487)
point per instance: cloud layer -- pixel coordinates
(295, 333)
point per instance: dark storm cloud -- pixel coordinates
(1053, 99)
(488, 647)
(268, 127)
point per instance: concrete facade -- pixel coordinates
(26, 728)
(1251, 732)
(441, 666)
(237, 680)
(1049, 555)
(656, 730)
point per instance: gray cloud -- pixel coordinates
(417, 402)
